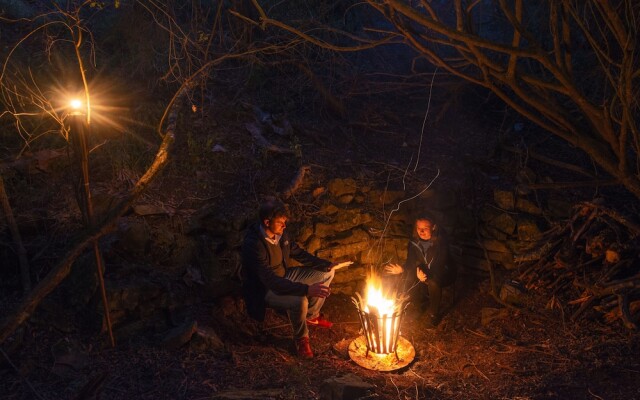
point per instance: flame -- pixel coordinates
(383, 307)
(375, 298)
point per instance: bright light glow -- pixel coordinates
(75, 104)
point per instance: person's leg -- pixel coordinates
(296, 307)
(435, 295)
(311, 276)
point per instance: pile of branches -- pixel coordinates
(590, 265)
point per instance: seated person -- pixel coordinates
(270, 280)
(427, 263)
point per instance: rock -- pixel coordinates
(125, 331)
(345, 220)
(353, 236)
(329, 209)
(313, 244)
(82, 282)
(317, 192)
(349, 274)
(471, 263)
(488, 213)
(491, 232)
(249, 394)
(559, 208)
(494, 245)
(504, 199)
(512, 292)
(345, 250)
(612, 255)
(380, 198)
(68, 357)
(444, 199)
(148, 209)
(138, 294)
(345, 199)
(341, 348)
(527, 206)
(206, 339)
(488, 314)
(526, 175)
(305, 234)
(179, 336)
(346, 387)
(102, 202)
(387, 250)
(133, 237)
(183, 251)
(528, 230)
(504, 223)
(348, 288)
(53, 313)
(339, 187)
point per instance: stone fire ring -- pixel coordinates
(382, 362)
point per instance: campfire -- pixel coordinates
(381, 347)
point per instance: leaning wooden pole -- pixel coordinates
(81, 131)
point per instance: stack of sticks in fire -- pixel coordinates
(589, 265)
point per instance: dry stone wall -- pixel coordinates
(367, 226)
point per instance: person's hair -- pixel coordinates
(271, 209)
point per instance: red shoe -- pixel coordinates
(304, 348)
(320, 321)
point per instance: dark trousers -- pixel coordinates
(435, 295)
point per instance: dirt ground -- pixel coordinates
(523, 355)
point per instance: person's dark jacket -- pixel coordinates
(435, 262)
(260, 273)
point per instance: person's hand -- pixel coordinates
(393, 269)
(318, 290)
(421, 275)
(340, 265)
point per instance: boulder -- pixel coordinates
(340, 187)
(133, 237)
(504, 223)
(513, 292)
(352, 236)
(346, 387)
(504, 199)
(343, 221)
(528, 230)
(559, 207)
(349, 250)
(352, 273)
(313, 244)
(488, 314)
(328, 210)
(206, 339)
(386, 198)
(527, 206)
(385, 250)
(179, 336)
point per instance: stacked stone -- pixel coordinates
(363, 225)
(507, 229)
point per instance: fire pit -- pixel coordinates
(381, 348)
